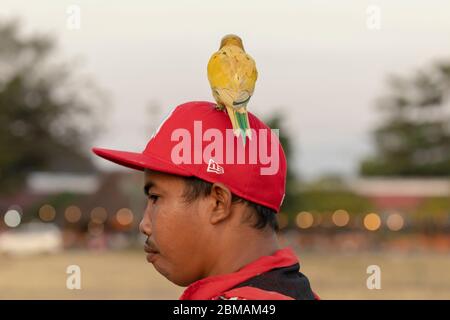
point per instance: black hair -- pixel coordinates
(262, 215)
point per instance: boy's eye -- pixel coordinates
(153, 198)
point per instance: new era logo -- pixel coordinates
(214, 167)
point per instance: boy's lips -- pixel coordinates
(151, 253)
(149, 249)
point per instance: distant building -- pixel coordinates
(105, 192)
(50, 183)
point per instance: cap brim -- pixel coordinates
(139, 161)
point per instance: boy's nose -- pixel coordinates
(145, 226)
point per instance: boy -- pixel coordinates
(210, 219)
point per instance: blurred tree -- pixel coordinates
(329, 193)
(414, 137)
(327, 181)
(45, 114)
(290, 199)
(317, 200)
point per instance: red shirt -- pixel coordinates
(224, 286)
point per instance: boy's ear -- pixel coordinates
(222, 197)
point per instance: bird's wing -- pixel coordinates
(233, 72)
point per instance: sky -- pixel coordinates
(318, 63)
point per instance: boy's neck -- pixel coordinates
(240, 251)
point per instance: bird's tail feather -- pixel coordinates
(240, 123)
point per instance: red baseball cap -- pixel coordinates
(196, 139)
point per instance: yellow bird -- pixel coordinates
(232, 75)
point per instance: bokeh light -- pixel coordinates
(340, 218)
(395, 222)
(12, 218)
(372, 221)
(99, 215)
(47, 213)
(124, 216)
(72, 214)
(304, 220)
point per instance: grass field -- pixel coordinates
(127, 275)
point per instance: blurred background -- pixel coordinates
(359, 90)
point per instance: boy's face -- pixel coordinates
(177, 232)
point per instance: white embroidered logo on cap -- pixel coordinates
(214, 167)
